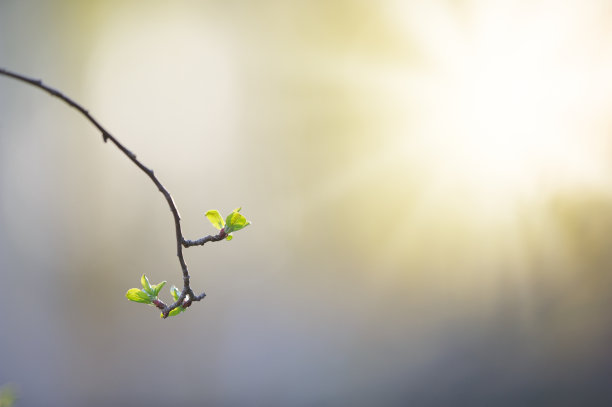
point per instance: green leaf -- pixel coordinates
(215, 218)
(176, 293)
(229, 237)
(146, 285)
(137, 295)
(157, 288)
(176, 311)
(235, 221)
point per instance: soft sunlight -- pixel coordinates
(501, 108)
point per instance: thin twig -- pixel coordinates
(200, 242)
(187, 294)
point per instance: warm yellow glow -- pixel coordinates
(507, 114)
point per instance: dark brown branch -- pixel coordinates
(210, 238)
(187, 295)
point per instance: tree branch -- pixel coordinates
(187, 294)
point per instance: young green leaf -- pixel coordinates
(137, 295)
(175, 311)
(235, 221)
(215, 218)
(146, 285)
(157, 288)
(176, 293)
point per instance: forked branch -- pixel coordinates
(186, 296)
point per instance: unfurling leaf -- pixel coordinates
(176, 311)
(176, 293)
(146, 285)
(215, 218)
(137, 295)
(157, 288)
(234, 222)
(148, 294)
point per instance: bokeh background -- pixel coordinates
(429, 184)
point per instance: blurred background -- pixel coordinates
(429, 184)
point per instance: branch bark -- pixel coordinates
(187, 295)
